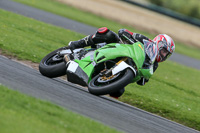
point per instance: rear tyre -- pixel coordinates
(98, 88)
(53, 65)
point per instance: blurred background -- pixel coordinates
(147, 15)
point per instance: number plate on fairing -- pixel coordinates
(72, 66)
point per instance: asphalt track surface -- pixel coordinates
(103, 109)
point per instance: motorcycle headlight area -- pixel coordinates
(122, 66)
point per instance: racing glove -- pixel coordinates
(124, 34)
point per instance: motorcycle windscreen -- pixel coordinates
(151, 50)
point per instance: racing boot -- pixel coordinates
(142, 81)
(86, 41)
(104, 35)
(117, 94)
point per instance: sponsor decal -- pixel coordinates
(140, 46)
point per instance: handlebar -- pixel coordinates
(130, 40)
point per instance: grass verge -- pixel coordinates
(20, 113)
(96, 21)
(173, 91)
(30, 39)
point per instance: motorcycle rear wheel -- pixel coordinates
(120, 82)
(52, 65)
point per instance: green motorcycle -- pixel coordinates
(105, 70)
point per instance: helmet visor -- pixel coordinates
(164, 53)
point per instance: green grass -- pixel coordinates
(173, 91)
(96, 21)
(23, 114)
(30, 39)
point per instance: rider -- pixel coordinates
(165, 44)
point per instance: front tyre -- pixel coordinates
(53, 65)
(97, 87)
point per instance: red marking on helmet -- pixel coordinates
(103, 30)
(161, 37)
(155, 38)
(166, 41)
(129, 32)
(172, 43)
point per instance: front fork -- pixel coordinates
(106, 73)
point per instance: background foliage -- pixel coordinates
(187, 7)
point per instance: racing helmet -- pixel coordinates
(166, 47)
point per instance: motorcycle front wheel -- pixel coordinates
(97, 86)
(52, 65)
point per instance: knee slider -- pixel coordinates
(106, 35)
